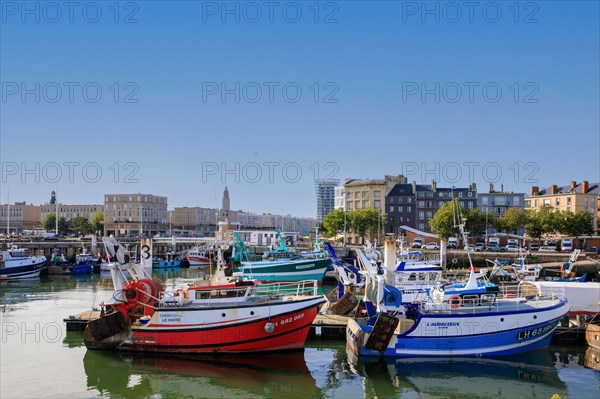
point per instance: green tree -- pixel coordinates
(478, 221)
(443, 222)
(367, 219)
(49, 223)
(97, 222)
(81, 225)
(334, 222)
(513, 220)
(577, 224)
(543, 221)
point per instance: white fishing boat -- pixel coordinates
(16, 264)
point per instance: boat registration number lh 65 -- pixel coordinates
(535, 332)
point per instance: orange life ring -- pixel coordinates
(521, 276)
(455, 301)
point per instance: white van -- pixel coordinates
(512, 241)
(566, 244)
(493, 241)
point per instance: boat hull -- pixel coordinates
(21, 272)
(285, 270)
(226, 330)
(198, 261)
(466, 335)
(165, 264)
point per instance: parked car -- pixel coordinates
(431, 245)
(546, 248)
(451, 245)
(534, 246)
(417, 243)
(512, 248)
(495, 248)
(479, 247)
(469, 247)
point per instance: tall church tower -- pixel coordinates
(225, 203)
(53, 198)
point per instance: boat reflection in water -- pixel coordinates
(529, 375)
(592, 359)
(284, 375)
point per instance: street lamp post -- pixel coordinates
(141, 220)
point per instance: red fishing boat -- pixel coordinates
(217, 316)
(198, 257)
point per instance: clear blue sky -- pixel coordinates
(370, 62)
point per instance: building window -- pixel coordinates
(377, 204)
(357, 204)
(421, 204)
(391, 209)
(421, 215)
(547, 202)
(484, 201)
(460, 194)
(409, 200)
(377, 194)
(365, 195)
(392, 200)
(557, 202)
(470, 194)
(568, 200)
(516, 201)
(365, 204)
(349, 206)
(357, 194)
(440, 204)
(429, 215)
(535, 203)
(399, 209)
(408, 209)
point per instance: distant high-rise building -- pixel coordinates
(325, 189)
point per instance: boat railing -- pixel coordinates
(298, 288)
(515, 297)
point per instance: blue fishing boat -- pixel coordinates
(84, 264)
(172, 259)
(473, 319)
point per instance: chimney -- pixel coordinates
(473, 187)
(553, 188)
(414, 187)
(433, 185)
(535, 190)
(573, 184)
(585, 186)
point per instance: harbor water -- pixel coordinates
(40, 359)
